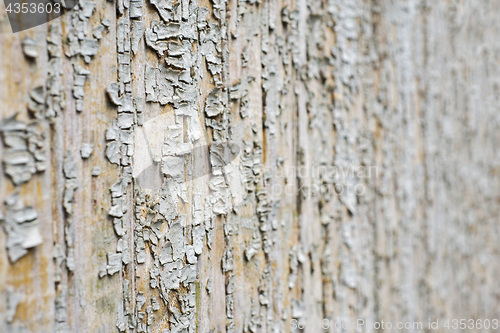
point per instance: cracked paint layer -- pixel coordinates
(194, 165)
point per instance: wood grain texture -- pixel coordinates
(250, 166)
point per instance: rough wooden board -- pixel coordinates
(366, 186)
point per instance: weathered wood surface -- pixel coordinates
(366, 183)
